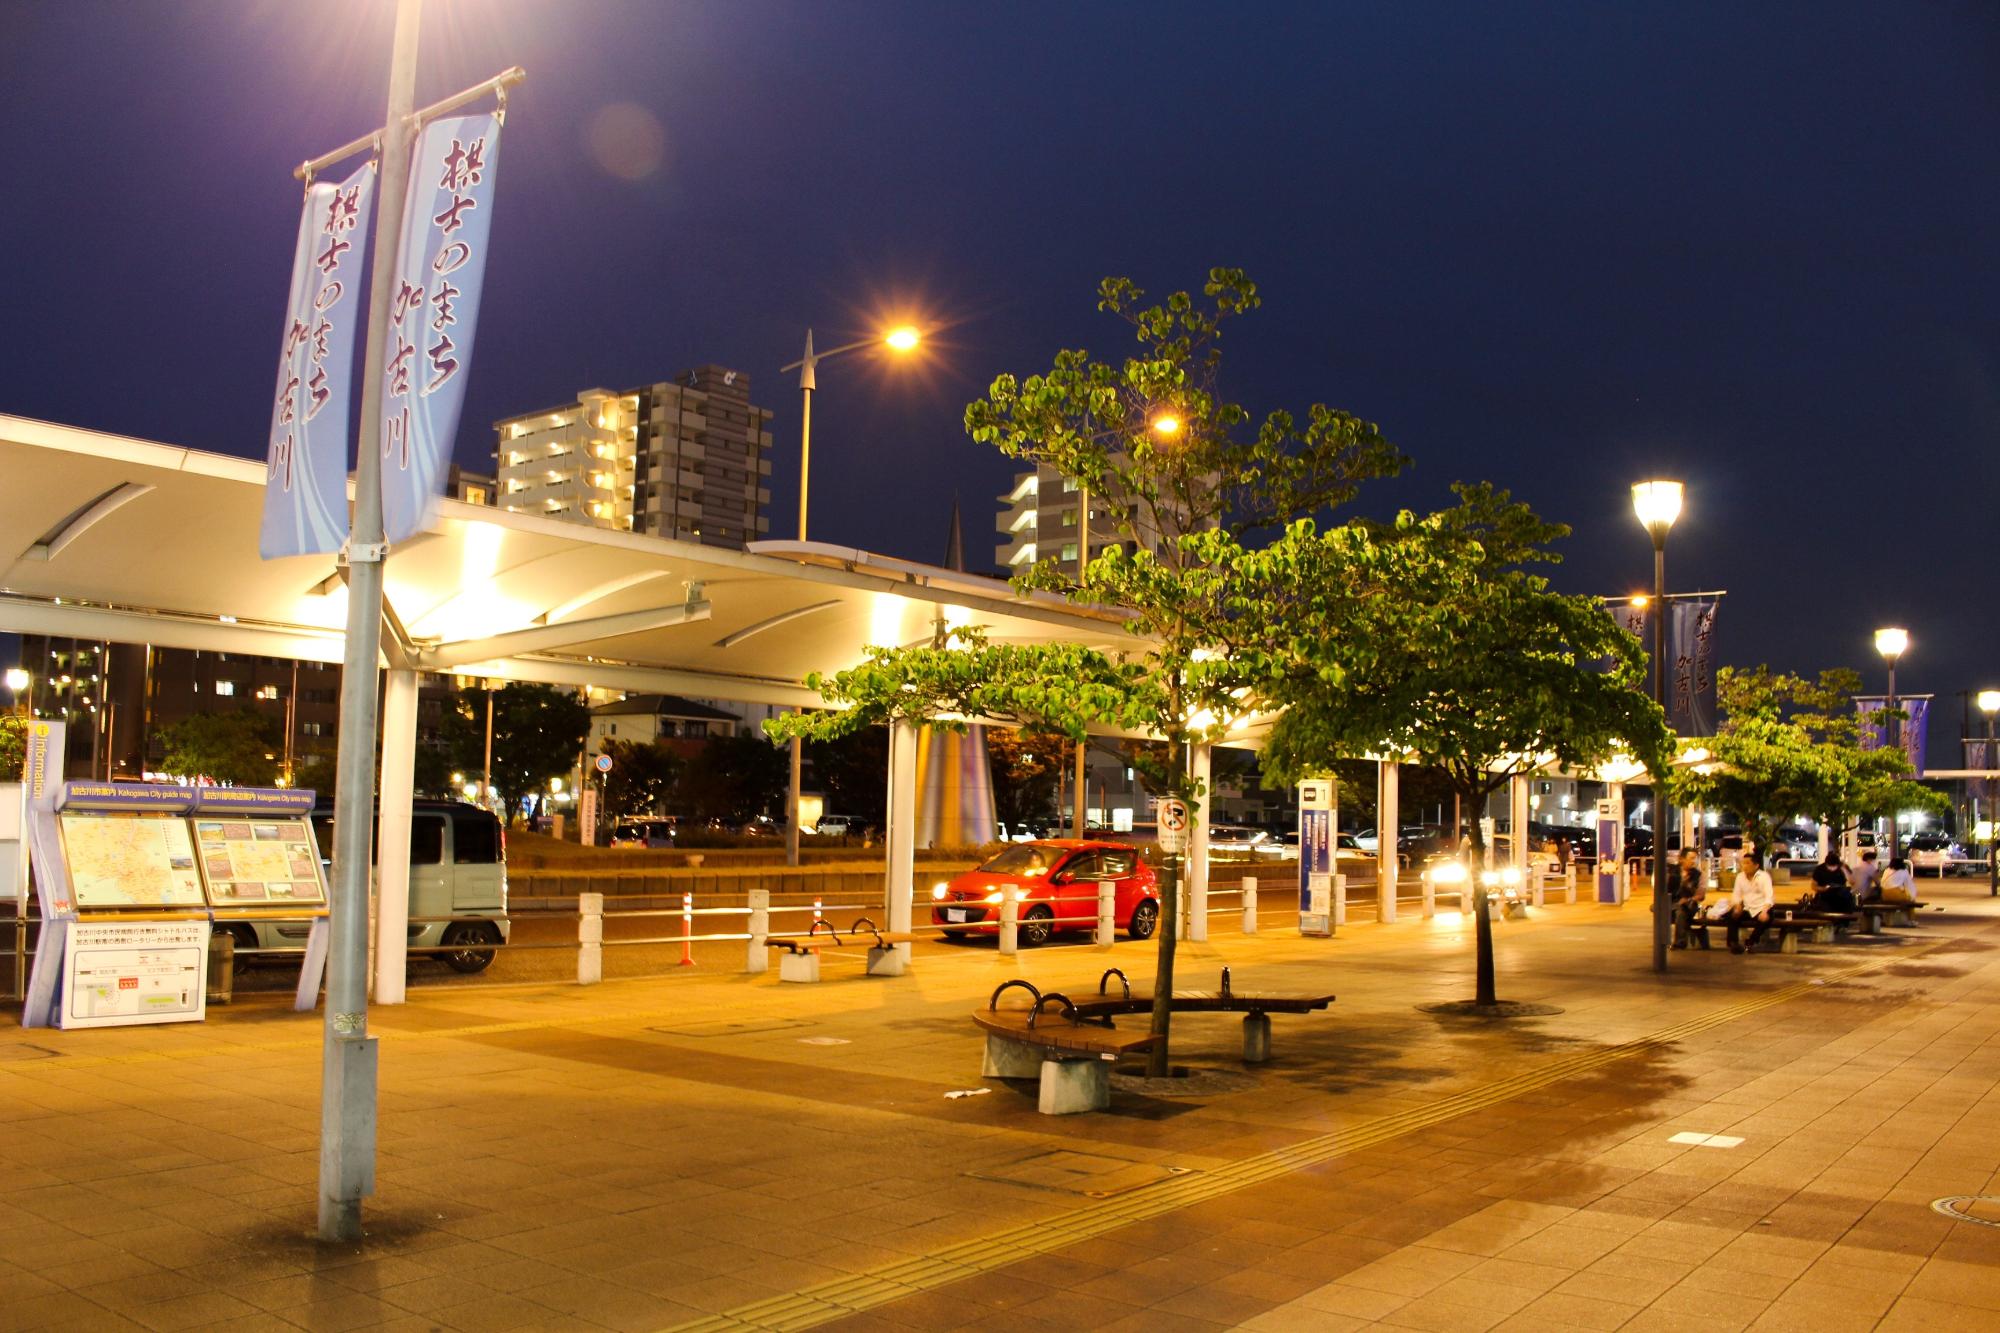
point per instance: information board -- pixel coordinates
(123, 861)
(1317, 811)
(121, 973)
(259, 862)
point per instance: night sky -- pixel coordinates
(1558, 246)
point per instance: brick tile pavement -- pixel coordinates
(654, 1153)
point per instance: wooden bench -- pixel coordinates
(1071, 1055)
(800, 959)
(1040, 1041)
(1783, 930)
(1878, 914)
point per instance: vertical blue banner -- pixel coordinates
(1691, 669)
(433, 312)
(1875, 727)
(305, 487)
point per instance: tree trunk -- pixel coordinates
(1482, 921)
(1159, 1058)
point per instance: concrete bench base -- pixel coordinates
(886, 961)
(1069, 1085)
(798, 966)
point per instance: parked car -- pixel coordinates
(1932, 851)
(644, 831)
(1044, 871)
(1234, 841)
(840, 826)
(458, 878)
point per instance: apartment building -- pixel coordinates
(686, 458)
(1042, 519)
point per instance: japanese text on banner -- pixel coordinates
(305, 490)
(433, 312)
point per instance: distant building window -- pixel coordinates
(1069, 484)
(1069, 551)
(313, 728)
(225, 687)
(475, 495)
(267, 691)
(1069, 518)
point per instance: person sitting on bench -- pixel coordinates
(1830, 892)
(1750, 900)
(1688, 890)
(1866, 890)
(1897, 887)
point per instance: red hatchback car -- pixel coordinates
(1058, 880)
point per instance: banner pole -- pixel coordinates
(347, 1087)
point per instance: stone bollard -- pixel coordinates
(1197, 922)
(1107, 924)
(1249, 904)
(1010, 920)
(760, 932)
(1430, 896)
(589, 938)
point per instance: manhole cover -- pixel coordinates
(732, 1029)
(1090, 1174)
(1981, 1208)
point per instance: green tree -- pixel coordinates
(852, 771)
(642, 777)
(538, 732)
(1790, 746)
(735, 777)
(235, 748)
(13, 747)
(1437, 641)
(1185, 476)
(1027, 767)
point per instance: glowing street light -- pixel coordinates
(18, 682)
(1657, 504)
(903, 338)
(1166, 423)
(1892, 643)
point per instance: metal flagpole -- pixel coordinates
(347, 1087)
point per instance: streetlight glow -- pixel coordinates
(1166, 424)
(1989, 701)
(903, 338)
(1892, 643)
(1658, 504)
(17, 679)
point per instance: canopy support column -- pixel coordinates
(1388, 822)
(1200, 763)
(902, 831)
(392, 841)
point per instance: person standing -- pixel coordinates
(1751, 900)
(1688, 891)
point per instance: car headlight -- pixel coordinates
(994, 896)
(938, 891)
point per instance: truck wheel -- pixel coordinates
(461, 933)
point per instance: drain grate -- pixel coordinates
(1092, 1175)
(1983, 1209)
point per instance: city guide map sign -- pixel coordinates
(269, 862)
(119, 861)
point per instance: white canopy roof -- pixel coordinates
(112, 538)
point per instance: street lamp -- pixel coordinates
(18, 682)
(1989, 704)
(902, 340)
(1658, 504)
(1892, 643)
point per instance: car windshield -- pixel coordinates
(1022, 859)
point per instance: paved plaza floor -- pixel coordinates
(1748, 1142)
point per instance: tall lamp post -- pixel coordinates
(1658, 504)
(1989, 704)
(1892, 644)
(901, 339)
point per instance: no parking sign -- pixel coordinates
(1173, 815)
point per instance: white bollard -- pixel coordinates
(1107, 924)
(1339, 901)
(759, 959)
(1249, 904)
(1569, 885)
(1197, 926)
(1430, 896)
(1010, 920)
(589, 938)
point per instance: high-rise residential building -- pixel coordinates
(1041, 519)
(684, 458)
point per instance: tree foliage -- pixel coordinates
(538, 732)
(1791, 746)
(1027, 768)
(735, 778)
(13, 747)
(642, 777)
(234, 748)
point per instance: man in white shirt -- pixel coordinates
(1750, 900)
